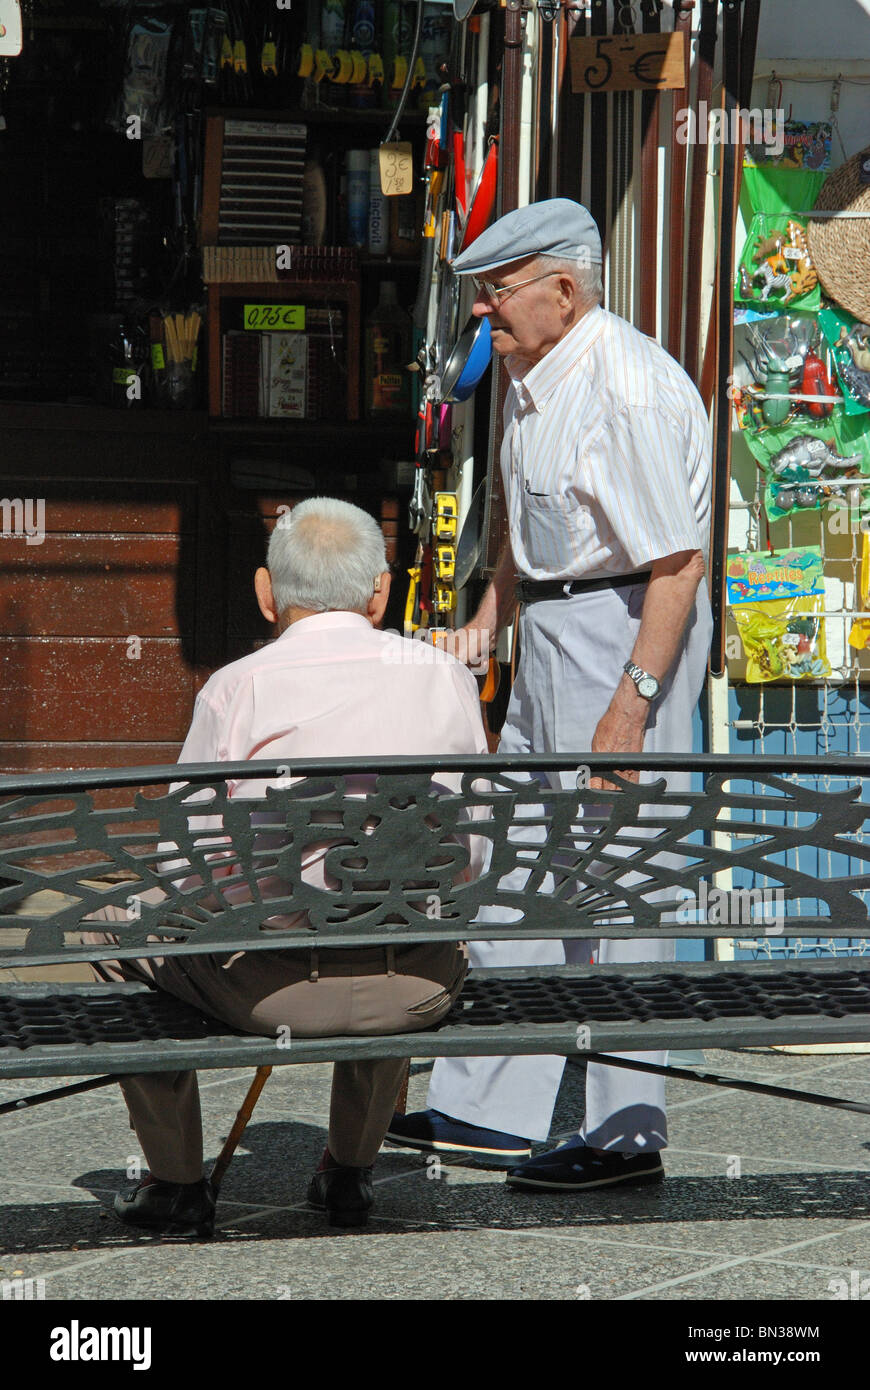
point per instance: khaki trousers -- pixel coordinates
(310, 993)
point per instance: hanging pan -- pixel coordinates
(467, 362)
(470, 538)
(483, 199)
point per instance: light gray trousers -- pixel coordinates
(571, 658)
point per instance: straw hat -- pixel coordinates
(840, 246)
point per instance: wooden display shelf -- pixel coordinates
(346, 292)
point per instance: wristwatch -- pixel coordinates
(647, 686)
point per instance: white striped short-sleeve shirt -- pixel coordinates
(606, 457)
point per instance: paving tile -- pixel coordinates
(397, 1264)
(796, 1217)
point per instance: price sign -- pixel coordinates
(620, 62)
(275, 318)
(396, 164)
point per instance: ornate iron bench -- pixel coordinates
(632, 862)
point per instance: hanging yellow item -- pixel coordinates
(860, 633)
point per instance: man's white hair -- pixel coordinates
(586, 275)
(324, 555)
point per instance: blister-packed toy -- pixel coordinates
(775, 268)
(777, 602)
(849, 342)
(812, 451)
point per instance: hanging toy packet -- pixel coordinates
(777, 601)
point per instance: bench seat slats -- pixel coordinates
(66, 1030)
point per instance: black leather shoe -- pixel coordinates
(345, 1194)
(185, 1208)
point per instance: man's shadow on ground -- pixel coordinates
(263, 1199)
(263, 1196)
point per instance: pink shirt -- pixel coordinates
(333, 686)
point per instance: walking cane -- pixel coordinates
(246, 1110)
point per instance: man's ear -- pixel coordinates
(377, 604)
(265, 597)
(567, 291)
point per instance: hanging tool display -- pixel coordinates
(450, 362)
(444, 530)
(425, 315)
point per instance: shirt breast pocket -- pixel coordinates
(553, 528)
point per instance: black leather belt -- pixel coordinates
(540, 590)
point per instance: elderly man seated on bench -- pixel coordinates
(329, 685)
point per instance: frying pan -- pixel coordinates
(470, 538)
(468, 361)
(462, 9)
(483, 198)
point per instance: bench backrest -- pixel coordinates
(784, 836)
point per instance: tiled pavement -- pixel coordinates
(764, 1199)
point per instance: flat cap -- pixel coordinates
(556, 227)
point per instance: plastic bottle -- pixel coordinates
(332, 20)
(332, 27)
(363, 38)
(387, 354)
(434, 49)
(379, 212)
(398, 34)
(357, 197)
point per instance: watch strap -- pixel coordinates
(638, 674)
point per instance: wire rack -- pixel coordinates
(821, 717)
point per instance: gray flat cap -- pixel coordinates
(556, 227)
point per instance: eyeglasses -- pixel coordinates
(495, 292)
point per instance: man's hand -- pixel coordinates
(669, 600)
(620, 730)
(471, 645)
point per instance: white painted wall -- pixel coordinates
(814, 29)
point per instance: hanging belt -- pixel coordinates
(541, 590)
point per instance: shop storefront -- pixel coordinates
(221, 252)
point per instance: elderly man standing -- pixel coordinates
(606, 469)
(329, 686)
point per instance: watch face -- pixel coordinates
(648, 687)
